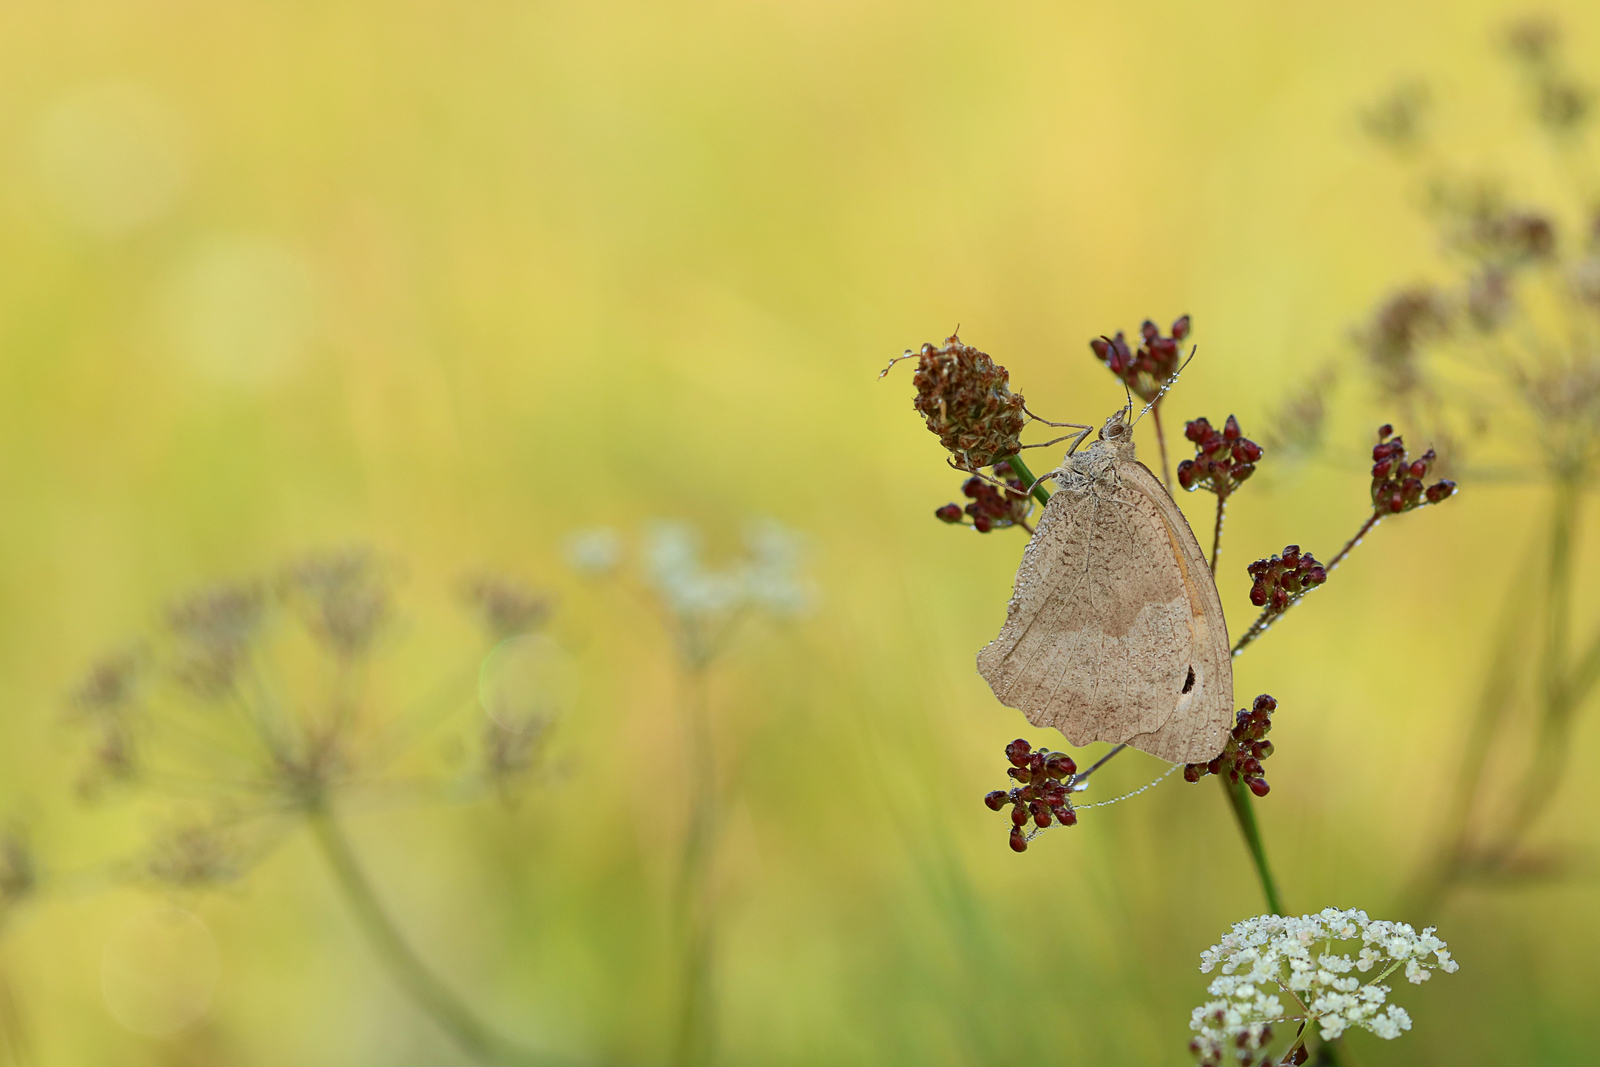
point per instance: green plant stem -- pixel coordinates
(1020, 469)
(1161, 445)
(1244, 813)
(692, 908)
(426, 990)
(1216, 532)
(1550, 759)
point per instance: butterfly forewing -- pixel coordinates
(1115, 630)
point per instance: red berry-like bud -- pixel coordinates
(996, 800)
(949, 513)
(1384, 431)
(1180, 328)
(1264, 702)
(1149, 330)
(1186, 474)
(982, 523)
(1191, 773)
(1100, 347)
(1019, 815)
(1258, 786)
(1248, 451)
(1019, 843)
(1230, 429)
(1069, 817)
(1059, 765)
(1442, 490)
(1018, 751)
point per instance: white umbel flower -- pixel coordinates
(1275, 969)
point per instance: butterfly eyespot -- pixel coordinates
(1188, 683)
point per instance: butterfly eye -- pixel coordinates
(1188, 683)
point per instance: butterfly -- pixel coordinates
(1115, 630)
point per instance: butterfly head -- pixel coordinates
(1118, 429)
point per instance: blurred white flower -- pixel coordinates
(242, 309)
(111, 157)
(705, 602)
(1270, 955)
(595, 551)
(772, 577)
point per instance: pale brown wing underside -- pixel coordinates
(1115, 631)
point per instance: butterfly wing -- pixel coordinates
(1115, 630)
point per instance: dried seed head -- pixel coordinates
(215, 628)
(966, 399)
(1398, 329)
(1222, 460)
(19, 871)
(1533, 40)
(194, 854)
(1145, 371)
(1563, 104)
(1489, 298)
(1397, 121)
(506, 606)
(512, 751)
(344, 598)
(1509, 238)
(109, 687)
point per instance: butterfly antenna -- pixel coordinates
(1168, 384)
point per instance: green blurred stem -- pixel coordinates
(692, 908)
(1020, 469)
(437, 1001)
(1244, 813)
(1556, 688)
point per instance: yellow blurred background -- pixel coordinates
(456, 279)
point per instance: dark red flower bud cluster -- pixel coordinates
(1282, 580)
(966, 399)
(991, 506)
(1221, 461)
(1397, 479)
(1044, 792)
(1147, 370)
(1247, 747)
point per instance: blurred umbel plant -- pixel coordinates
(703, 609)
(253, 712)
(1500, 361)
(966, 400)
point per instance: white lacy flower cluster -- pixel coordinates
(767, 578)
(1284, 970)
(702, 600)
